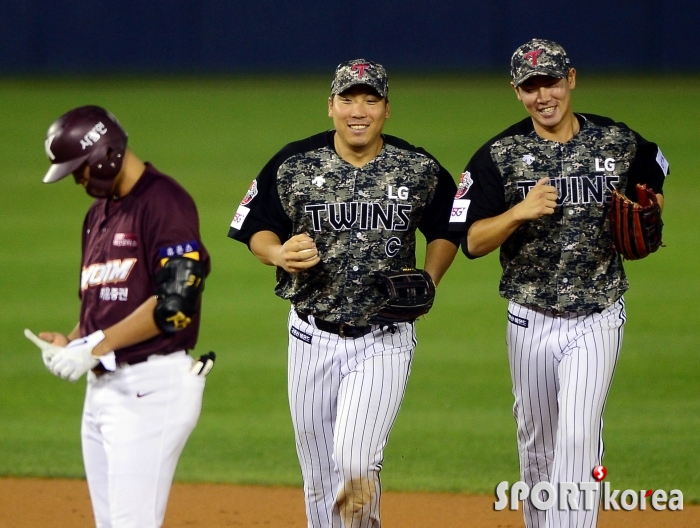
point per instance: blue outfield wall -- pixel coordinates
(224, 36)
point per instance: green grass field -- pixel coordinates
(455, 431)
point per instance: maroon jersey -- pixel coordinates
(125, 243)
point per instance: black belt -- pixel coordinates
(100, 369)
(341, 329)
(559, 313)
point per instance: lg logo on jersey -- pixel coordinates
(402, 193)
(608, 165)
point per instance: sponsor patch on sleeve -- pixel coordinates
(661, 160)
(186, 249)
(459, 211)
(239, 217)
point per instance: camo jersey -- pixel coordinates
(563, 262)
(362, 219)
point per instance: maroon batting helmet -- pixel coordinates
(88, 134)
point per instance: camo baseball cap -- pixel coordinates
(538, 57)
(360, 71)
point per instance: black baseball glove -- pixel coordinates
(409, 294)
(636, 226)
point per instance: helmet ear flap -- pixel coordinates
(105, 165)
(106, 161)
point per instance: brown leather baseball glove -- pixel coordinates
(636, 226)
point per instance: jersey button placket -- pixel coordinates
(570, 228)
(350, 277)
(564, 235)
(102, 236)
(354, 239)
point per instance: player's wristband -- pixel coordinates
(89, 341)
(108, 360)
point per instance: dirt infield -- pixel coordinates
(56, 503)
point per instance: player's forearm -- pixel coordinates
(489, 233)
(439, 255)
(135, 328)
(266, 245)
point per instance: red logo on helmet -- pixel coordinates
(360, 69)
(532, 55)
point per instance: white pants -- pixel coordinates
(561, 368)
(344, 395)
(136, 422)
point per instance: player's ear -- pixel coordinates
(517, 92)
(388, 110)
(330, 106)
(572, 78)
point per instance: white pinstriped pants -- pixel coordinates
(344, 396)
(561, 368)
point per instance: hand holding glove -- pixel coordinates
(76, 358)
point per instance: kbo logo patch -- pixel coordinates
(465, 182)
(252, 193)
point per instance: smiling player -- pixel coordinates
(330, 212)
(541, 191)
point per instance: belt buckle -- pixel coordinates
(341, 331)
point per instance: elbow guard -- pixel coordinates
(179, 286)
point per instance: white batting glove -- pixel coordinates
(204, 364)
(48, 351)
(76, 358)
